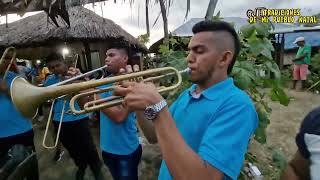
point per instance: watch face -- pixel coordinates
(150, 113)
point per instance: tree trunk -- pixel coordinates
(147, 18)
(211, 8)
(164, 18)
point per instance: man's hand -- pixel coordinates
(72, 72)
(3, 88)
(118, 113)
(298, 168)
(138, 96)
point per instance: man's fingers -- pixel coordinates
(129, 69)
(128, 84)
(121, 91)
(73, 71)
(122, 71)
(136, 68)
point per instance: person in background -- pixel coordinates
(301, 62)
(43, 73)
(75, 134)
(14, 128)
(306, 162)
(121, 150)
(26, 72)
(119, 141)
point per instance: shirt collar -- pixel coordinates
(214, 91)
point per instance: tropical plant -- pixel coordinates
(314, 76)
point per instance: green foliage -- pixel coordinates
(278, 158)
(217, 17)
(253, 70)
(143, 38)
(314, 78)
(174, 58)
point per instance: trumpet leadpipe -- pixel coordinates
(116, 100)
(187, 70)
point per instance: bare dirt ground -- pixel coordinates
(285, 122)
(284, 125)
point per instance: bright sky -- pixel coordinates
(132, 19)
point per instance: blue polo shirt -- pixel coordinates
(118, 138)
(216, 124)
(11, 121)
(57, 109)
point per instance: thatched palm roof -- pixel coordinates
(23, 6)
(86, 26)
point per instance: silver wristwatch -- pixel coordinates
(151, 112)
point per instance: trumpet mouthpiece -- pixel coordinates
(187, 70)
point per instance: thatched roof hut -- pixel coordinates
(23, 6)
(89, 36)
(85, 25)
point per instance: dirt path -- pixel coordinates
(284, 125)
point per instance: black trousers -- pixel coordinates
(76, 137)
(25, 139)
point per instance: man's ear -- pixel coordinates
(126, 59)
(226, 59)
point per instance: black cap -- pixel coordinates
(310, 125)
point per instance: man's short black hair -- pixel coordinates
(205, 26)
(54, 57)
(121, 45)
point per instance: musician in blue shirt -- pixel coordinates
(119, 141)
(75, 134)
(14, 128)
(206, 132)
(121, 150)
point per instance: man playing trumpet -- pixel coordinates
(119, 142)
(205, 133)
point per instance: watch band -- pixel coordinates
(152, 111)
(160, 105)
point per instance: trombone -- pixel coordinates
(44, 143)
(3, 62)
(50, 119)
(22, 90)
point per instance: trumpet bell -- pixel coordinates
(27, 102)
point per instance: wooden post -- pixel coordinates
(88, 55)
(281, 55)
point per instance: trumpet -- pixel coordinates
(21, 90)
(95, 105)
(3, 62)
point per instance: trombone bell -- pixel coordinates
(27, 102)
